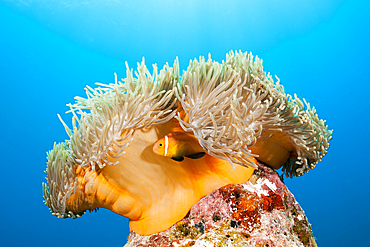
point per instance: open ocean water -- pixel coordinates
(50, 50)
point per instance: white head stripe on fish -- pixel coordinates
(165, 145)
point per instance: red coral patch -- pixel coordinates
(246, 207)
(272, 201)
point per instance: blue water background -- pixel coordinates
(50, 50)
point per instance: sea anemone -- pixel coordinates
(234, 109)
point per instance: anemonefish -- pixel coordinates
(177, 145)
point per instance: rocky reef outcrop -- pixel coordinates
(260, 212)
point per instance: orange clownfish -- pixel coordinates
(177, 145)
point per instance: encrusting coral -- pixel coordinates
(234, 109)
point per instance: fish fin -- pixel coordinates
(180, 158)
(196, 156)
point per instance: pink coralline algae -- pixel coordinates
(260, 212)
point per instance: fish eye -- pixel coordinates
(160, 144)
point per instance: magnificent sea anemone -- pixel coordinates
(236, 112)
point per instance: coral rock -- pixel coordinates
(260, 212)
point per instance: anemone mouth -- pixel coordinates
(235, 110)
